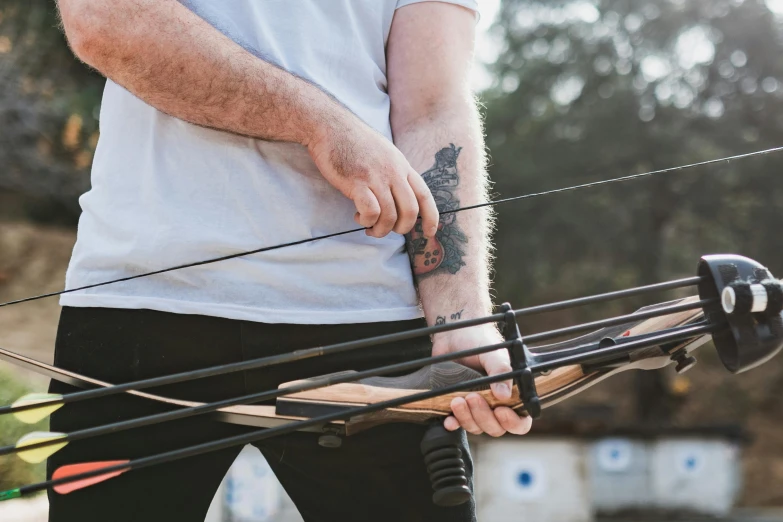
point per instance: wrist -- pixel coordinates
(327, 123)
(466, 338)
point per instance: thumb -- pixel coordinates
(496, 363)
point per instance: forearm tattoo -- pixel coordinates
(444, 252)
(441, 319)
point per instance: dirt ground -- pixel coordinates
(33, 260)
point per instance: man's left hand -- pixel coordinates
(473, 412)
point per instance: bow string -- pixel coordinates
(491, 203)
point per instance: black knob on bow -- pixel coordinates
(442, 450)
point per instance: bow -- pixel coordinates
(370, 389)
(739, 305)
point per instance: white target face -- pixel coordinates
(525, 479)
(689, 461)
(614, 455)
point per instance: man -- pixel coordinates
(230, 125)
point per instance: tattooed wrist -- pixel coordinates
(443, 253)
(456, 316)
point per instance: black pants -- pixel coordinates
(377, 475)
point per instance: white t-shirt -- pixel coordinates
(165, 192)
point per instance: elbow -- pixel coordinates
(84, 23)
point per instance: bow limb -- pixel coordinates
(248, 415)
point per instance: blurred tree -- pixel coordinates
(48, 114)
(594, 90)
(590, 90)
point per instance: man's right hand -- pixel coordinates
(218, 84)
(367, 168)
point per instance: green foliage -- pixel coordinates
(594, 90)
(15, 472)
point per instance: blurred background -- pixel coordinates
(573, 91)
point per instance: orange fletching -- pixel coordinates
(85, 467)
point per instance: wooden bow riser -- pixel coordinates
(559, 385)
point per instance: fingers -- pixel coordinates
(368, 210)
(396, 207)
(427, 207)
(512, 422)
(407, 207)
(388, 217)
(495, 363)
(475, 415)
(461, 411)
(451, 423)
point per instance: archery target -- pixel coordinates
(525, 479)
(689, 460)
(614, 455)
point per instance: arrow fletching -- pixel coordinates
(86, 467)
(49, 404)
(38, 455)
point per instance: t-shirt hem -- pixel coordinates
(243, 313)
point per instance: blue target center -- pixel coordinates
(525, 479)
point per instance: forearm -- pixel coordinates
(451, 270)
(176, 62)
